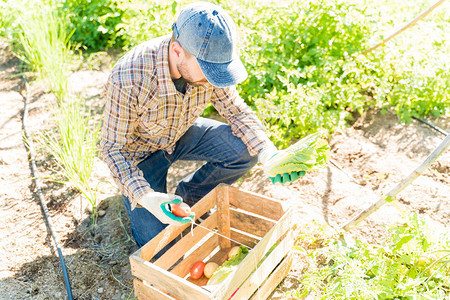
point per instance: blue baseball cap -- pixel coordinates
(206, 31)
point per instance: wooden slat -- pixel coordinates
(200, 282)
(274, 279)
(223, 208)
(221, 256)
(268, 264)
(251, 260)
(149, 250)
(163, 279)
(182, 269)
(246, 240)
(179, 249)
(258, 204)
(144, 291)
(250, 223)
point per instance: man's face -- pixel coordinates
(190, 71)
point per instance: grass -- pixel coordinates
(43, 43)
(74, 148)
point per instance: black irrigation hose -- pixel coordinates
(432, 126)
(29, 146)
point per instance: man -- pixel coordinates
(155, 96)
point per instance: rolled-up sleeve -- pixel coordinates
(243, 121)
(119, 121)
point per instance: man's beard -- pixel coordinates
(183, 70)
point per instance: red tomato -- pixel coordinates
(197, 270)
(181, 210)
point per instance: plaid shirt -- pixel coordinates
(144, 113)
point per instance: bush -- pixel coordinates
(122, 24)
(301, 74)
(305, 72)
(302, 57)
(143, 21)
(96, 23)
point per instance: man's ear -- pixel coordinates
(177, 49)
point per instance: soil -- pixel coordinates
(368, 158)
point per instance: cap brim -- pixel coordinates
(224, 74)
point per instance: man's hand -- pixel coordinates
(272, 159)
(159, 204)
(308, 154)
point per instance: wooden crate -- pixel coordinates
(256, 221)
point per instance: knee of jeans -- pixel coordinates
(253, 161)
(244, 161)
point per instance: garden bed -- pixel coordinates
(374, 152)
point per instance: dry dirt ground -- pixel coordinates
(368, 158)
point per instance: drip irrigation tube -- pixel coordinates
(29, 145)
(432, 126)
(389, 196)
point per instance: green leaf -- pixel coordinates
(228, 267)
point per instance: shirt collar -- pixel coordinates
(165, 84)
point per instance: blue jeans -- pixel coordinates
(227, 159)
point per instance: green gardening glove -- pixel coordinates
(161, 206)
(308, 154)
(167, 208)
(271, 160)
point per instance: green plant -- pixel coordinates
(296, 59)
(394, 270)
(144, 20)
(305, 74)
(99, 25)
(421, 91)
(5, 19)
(74, 147)
(96, 23)
(43, 42)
